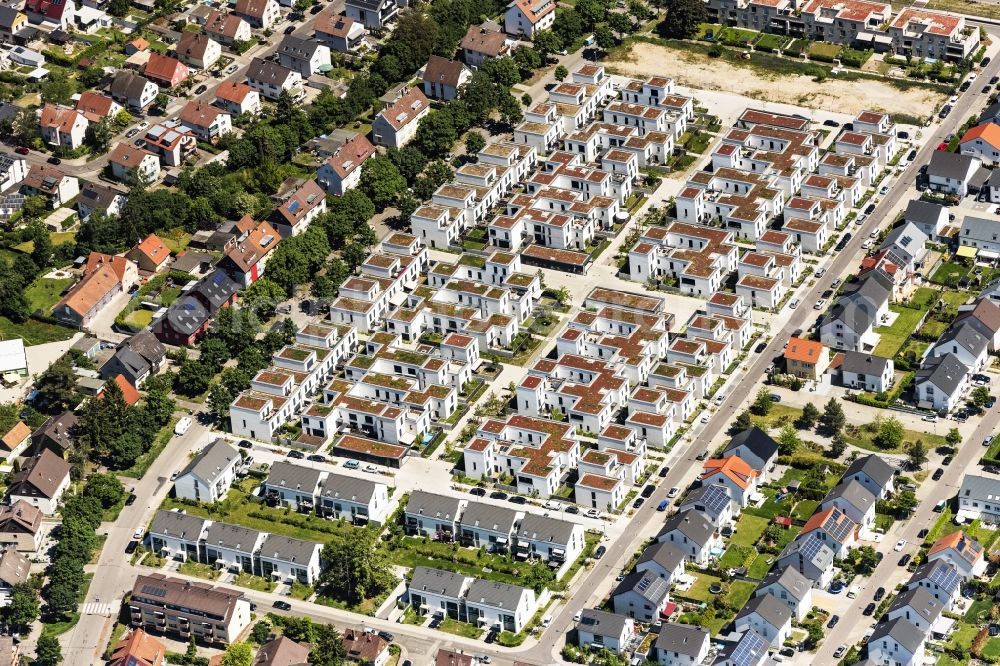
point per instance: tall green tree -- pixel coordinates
(23, 608)
(381, 181)
(833, 419)
(329, 649)
(684, 17)
(762, 403)
(917, 454)
(358, 568)
(238, 654)
(47, 651)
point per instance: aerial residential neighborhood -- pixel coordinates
(527, 333)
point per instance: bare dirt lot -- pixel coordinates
(698, 71)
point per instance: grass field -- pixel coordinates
(824, 49)
(191, 568)
(949, 273)
(139, 318)
(43, 293)
(891, 338)
(34, 332)
(748, 530)
(863, 440)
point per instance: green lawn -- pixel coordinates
(991, 650)
(34, 332)
(978, 611)
(804, 509)
(176, 240)
(760, 566)
(43, 293)
(192, 568)
(892, 337)
(239, 509)
(824, 49)
(139, 318)
(924, 297)
(949, 273)
(779, 415)
(254, 582)
(748, 530)
(460, 628)
(699, 590)
(737, 556)
(863, 440)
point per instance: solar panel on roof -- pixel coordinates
(749, 649)
(154, 590)
(945, 577)
(810, 547)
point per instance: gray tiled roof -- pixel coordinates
(950, 165)
(177, 524)
(666, 555)
(351, 488)
(488, 517)
(924, 212)
(287, 549)
(646, 584)
(546, 529)
(921, 601)
(494, 594)
(436, 581)
(863, 364)
(769, 608)
(234, 537)
(853, 492)
(427, 504)
(293, 477)
(692, 524)
(683, 639)
(902, 631)
(210, 463)
(946, 372)
(874, 467)
(602, 623)
(788, 578)
(965, 335)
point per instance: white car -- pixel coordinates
(674, 492)
(931, 418)
(182, 425)
(900, 545)
(551, 505)
(794, 303)
(577, 616)
(873, 234)
(821, 272)
(867, 244)
(137, 535)
(972, 77)
(705, 418)
(820, 304)
(884, 191)
(143, 125)
(593, 513)
(371, 468)
(860, 219)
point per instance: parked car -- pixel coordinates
(834, 619)
(987, 440)
(674, 492)
(182, 425)
(498, 494)
(839, 652)
(54, 160)
(938, 473)
(593, 513)
(947, 460)
(820, 304)
(904, 560)
(478, 491)
(21, 150)
(831, 123)
(315, 457)
(869, 609)
(985, 61)
(930, 418)
(386, 636)
(370, 468)
(879, 593)
(282, 605)
(518, 499)
(638, 502)
(200, 89)
(900, 545)
(921, 534)
(351, 464)
(775, 397)
(884, 190)
(648, 490)
(821, 272)
(664, 471)
(296, 455)
(599, 553)
(173, 477)
(794, 303)
(245, 444)
(572, 508)
(130, 547)
(836, 283)
(663, 505)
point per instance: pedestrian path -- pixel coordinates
(101, 608)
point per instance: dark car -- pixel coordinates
(869, 209)
(903, 135)
(648, 490)
(833, 622)
(638, 502)
(869, 609)
(130, 547)
(986, 90)
(492, 635)
(995, 79)
(879, 593)
(130, 500)
(478, 492)
(297, 455)
(946, 109)
(572, 508)
(599, 553)
(435, 622)
(992, 400)
(985, 61)
(245, 444)
(760, 347)
(775, 397)
(922, 533)
(282, 605)
(938, 473)
(317, 458)
(316, 9)
(200, 89)
(664, 471)
(21, 150)
(904, 560)
(497, 494)
(386, 635)
(831, 123)
(518, 499)
(290, 29)
(54, 160)
(947, 460)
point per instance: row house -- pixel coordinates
(480, 602)
(698, 257)
(537, 452)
